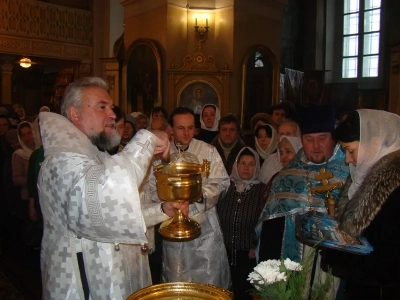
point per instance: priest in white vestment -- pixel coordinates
(93, 221)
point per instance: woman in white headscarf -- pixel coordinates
(19, 165)
(157, 112)
(209, 120)
(370, 204)
(142, 121)
(272, 164)
(238, 213)
(20, 158)
(266, 141)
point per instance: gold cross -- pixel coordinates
(323, 176)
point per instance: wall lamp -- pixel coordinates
(201, 32)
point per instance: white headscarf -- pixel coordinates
(272, 163)
(379, 136)
(44, 108)
(272, 145)
(295, 141)
(217, 117)
(25, 152)
(150, 119)
(245, 185)
(137, 114)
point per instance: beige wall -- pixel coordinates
(117, 24)
(234, 29)
(101, 34)
(245, 39)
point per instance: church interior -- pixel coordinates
(241, 55)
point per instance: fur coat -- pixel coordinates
(373, 212)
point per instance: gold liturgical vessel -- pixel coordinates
(180, 181)
(182, 291)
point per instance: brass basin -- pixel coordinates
(182, 291)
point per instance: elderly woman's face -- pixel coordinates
(128, 131)
(141, 123)
(286, 152)
(351, 151)
(288, 129)
(246, 166)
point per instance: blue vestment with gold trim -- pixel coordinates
(289, 195)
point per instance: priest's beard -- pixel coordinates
(104, 141)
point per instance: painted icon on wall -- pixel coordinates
(196, 94)
(143, 78)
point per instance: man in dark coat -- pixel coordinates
(228, 142)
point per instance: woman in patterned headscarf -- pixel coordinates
(238, 214)
(369, 204)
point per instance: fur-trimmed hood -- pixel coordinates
(356, 214)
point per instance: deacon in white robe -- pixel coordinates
(204, 259)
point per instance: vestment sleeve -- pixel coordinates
(216, 184)
(98, 198)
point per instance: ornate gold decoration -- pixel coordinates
(47, 47)
(30, 47)
(14, 44)
(77, 51)
(201, 33)
(36, 19)
(199, 61)
(199, 67)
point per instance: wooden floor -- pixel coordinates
(20, 268)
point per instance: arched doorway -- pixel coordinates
(260, 73)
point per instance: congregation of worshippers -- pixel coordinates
(265, 179)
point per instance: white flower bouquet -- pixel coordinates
(274, 279)
(288, 280)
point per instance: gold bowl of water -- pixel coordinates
(182, 291)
